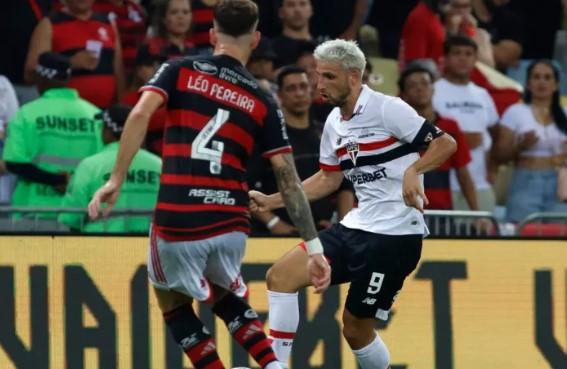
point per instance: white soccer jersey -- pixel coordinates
(372, 149)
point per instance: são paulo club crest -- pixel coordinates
(352, 151)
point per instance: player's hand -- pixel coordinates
(283, 229)
(259, 202)
(319, 272)
(106, 194)
(412, 191)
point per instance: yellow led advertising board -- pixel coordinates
(84, 302)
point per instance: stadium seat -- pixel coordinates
(546, 230)
(384, 77)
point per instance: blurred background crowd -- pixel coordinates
(492, 73)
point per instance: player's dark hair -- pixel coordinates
(458, 40)
(286, 71)
(412, 69)
(556, 110)
(236, 17)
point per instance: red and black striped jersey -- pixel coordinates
(130, 19)
(217, 113)
(71, 35)
(203, 15)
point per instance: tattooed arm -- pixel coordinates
(300, 213)
(292, 195)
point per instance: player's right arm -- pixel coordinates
(130, 142)
(155, 94)
(299, 211)
(319, 185)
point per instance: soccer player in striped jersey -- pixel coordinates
(217, 113)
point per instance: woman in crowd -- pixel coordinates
(172, 24)
(534, 136)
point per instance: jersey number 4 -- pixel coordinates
(213, 154)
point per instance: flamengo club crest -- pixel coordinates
(352, 151)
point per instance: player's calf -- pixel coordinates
(195, 340)
(367, 346)
(243, 323)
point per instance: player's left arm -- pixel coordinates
(406, 125)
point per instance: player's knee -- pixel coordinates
(277, 281)
(357, 332)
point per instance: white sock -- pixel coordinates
(373, 356)
(274, 365)
(284, 319)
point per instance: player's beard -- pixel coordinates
(341, 98)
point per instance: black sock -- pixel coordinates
(243, 323)
(190, 333)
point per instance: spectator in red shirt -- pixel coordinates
(172, 23)
(423, 34)
(202, 23)
(416, 88)
(90, 41)
(146, 66)
(130, 19)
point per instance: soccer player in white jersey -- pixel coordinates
(372, 139)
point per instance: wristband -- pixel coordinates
(314, 246)
(272, 223)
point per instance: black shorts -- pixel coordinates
(375, 264)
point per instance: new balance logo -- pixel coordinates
(369, 301)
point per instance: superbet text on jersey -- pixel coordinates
(373, 149)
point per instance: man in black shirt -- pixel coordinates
(305, 136)
(295, 36)
(217, 111)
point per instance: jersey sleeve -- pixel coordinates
(20, 144)
(77, 196)
(401, 120)
(274, 139)
(163, 81)
(328, 159)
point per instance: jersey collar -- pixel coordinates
(61, 92)
(361, 102)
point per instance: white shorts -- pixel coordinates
(190, 267)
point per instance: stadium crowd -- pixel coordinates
(491, 73)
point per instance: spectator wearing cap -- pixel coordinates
(48, 137)
(130, 19)
(295, 35)
(140, 187)
(90, 41)
(172, 23)
(146, 66)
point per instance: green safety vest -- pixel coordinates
(54, 132)
(139, 191)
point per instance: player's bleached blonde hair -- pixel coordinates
(347, 53)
